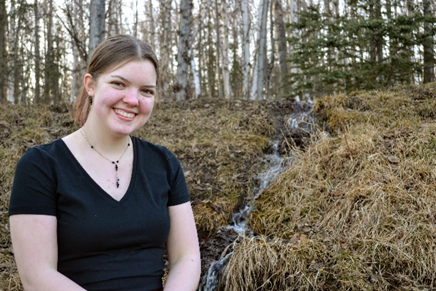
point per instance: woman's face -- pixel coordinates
(123, 98)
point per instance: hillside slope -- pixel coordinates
(354, 210)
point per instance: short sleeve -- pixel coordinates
(179, 190)
(34, 186)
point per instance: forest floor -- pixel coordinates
(353, 211)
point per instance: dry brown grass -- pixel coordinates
(217, 141)
(363, 199)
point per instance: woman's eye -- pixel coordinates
(118, 84)
(148, 92)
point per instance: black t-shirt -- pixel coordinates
(103, 244)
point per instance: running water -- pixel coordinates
(275, 164)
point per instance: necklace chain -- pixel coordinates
(115, 163)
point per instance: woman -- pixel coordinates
(96, 209)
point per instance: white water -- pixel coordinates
(274, 165)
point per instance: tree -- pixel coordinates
(246, 49)
(37, 56)
(96, 24)
(281, 39)
(165, 42)
(257, 92)
(223, 47)
(51, 70)
(3, 52)
(428, 43)
(181, 86)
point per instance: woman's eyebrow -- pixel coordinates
(126, 80)
(119, 77)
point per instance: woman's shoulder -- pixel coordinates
(152, 147)
(52, 149)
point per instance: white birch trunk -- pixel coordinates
(12, 32)
(246, 50)
(37, 55)
(135, 25)
(183, 58)
(152, 27)
(225, 51)
(165, 43)
(196, 78)
(96, 24)
(259, 73)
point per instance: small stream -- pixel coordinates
(275, 163)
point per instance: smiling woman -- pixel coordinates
(96, 209)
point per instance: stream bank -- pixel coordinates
(294, 129)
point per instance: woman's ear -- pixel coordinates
(89, 83)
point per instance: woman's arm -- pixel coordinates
(183, 250)
(34, 241)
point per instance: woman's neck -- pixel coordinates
(105, 143)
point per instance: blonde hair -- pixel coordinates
(112, 52)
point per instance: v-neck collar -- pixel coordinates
(95, 184)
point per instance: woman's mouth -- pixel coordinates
(124, 113)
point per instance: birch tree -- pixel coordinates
(135, 24)
(181, 86)
(246, 48)
(96, 24)
(14, 32)
(150, 29)
(223, 47)
(49, 68)
(165, 44)
(37, 55)
(257, 92)
(3, 52)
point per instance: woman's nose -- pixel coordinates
(131, 98)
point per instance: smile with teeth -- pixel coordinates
(124, 113)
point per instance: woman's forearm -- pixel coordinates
(48, 280)
(184, 275)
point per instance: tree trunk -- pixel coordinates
(224, 50)
(152, 27)
(195, 72)
(181, 86)
(96, 24)
(246, 49)
(257, 92)
(429, 75)
(37, 56)
(135, 24)
(3, 52)
(165, 44)
(13, 55)
(271, 62)
(211, 60)
(49, 57)
(218, 51)
(281, 39)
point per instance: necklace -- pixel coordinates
(117, 180)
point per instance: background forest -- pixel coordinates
(233, 49)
